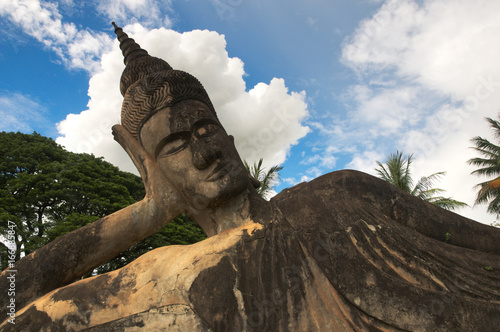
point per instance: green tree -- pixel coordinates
(488, 166)
(397, 171)
(267, 179)
(47, 192)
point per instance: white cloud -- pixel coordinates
(446, 45)
(20, 113)
(265, 121)
(289, 181)
(435, 67)
(306, 178)
(366, 161)
(311, 21)
(79, 49)
(314, 172)
(326, 160)
(148, 12)
(226, 9)
(386, 110)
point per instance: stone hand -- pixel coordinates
(161, 196)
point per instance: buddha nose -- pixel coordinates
(204, 154)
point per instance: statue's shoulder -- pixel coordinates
(346, 179)
(312, 204)
(338, 185)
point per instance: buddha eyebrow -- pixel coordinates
(170, 138)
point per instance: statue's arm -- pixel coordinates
(73, 255)
(432, 221)
(444, 225)
(343, 188)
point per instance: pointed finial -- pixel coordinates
(138, 63)
(130, 49)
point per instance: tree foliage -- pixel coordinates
(489, 166)
(47, 192)
(267, 179)
(397, 171)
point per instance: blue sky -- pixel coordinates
(315, 86)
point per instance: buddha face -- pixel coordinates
(195, 154)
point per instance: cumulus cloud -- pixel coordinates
(366, 161)
(265, 120)
(79, 49)
(446, 45)
(429, 76)
(391, 109)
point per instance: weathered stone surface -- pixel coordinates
(338, 261)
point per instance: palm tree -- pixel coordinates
(397, 172)
(267, 179)
(489, 191)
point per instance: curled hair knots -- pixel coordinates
(156, 91)
(140, 68)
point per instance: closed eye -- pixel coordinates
(206, 128)
(172, 144)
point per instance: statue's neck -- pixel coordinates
(237, 212)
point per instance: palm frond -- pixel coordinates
(397, 171)
(484, 145)
(447, 203)
(426, 184)
(489, 166)
(267, 179)
(487, 171)
(495, 125)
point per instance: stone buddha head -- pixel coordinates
(169, 112)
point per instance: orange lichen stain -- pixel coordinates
(364, 253)
(387, 260)
(392, 252)
(321, 297)
(56, 309)
(399, 257)
(251, 227)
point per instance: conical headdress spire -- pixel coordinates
(138, 63)
(130, 49)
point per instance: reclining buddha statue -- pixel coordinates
(344, 252)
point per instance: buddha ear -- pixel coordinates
(155, 182)
(133, 148)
